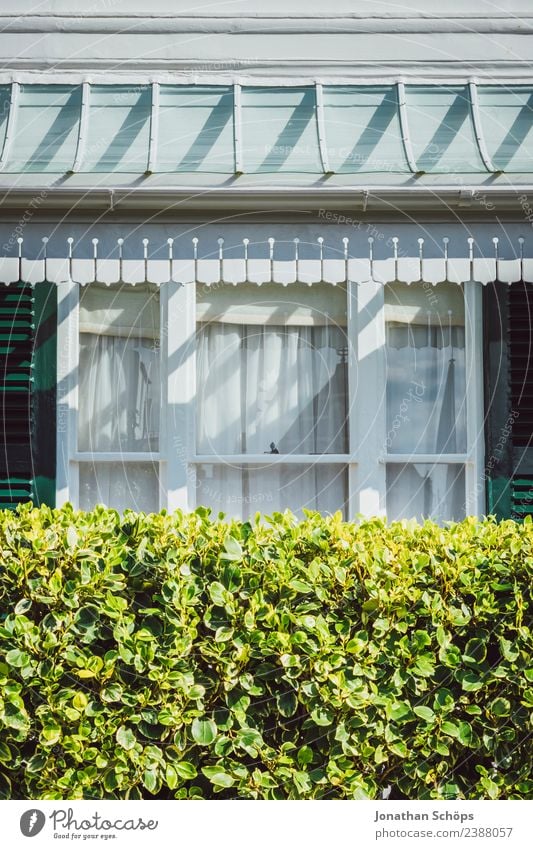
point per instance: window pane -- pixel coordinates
(507, 123)
(133, 486)
(441, 129)
(425, 491)
(196, 129)
(279, 389)
(363, 129)
(119, 128)
(242, 491)
(426, 390)
(46, 130)
(279, 130)
(119, 372)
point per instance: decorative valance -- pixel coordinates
(258, 263)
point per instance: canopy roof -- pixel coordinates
(218, 130)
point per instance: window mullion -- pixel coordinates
(67, 478)
(368, 402)
(179, 362)
(474, 470)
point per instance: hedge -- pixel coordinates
(172, 656)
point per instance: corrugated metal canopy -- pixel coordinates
(343, 129)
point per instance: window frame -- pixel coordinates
(177, 459)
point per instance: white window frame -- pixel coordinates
(69, 458)
(366, 460)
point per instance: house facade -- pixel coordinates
(255, 259)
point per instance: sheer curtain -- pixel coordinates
(426, 406)
(271, 388)
(119, 395)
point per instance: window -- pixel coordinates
(361, 398)
(272, 386)
(425, 400)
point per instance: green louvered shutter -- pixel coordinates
(509, 399)
(27, 394)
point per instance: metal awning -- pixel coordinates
(271, 261)
(160, 128)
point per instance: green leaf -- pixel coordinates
(203, 731)
(287, 703)
(232, 549)
(500, 707)
(322, 716)
(217, 591)
(218, 777)
(424, 713)
(171, 777)
(471, 682)
(185, 770)
(398, 711)
(126, 738)
(450, 728)
(18, 658)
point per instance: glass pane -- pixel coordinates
(196, 129)
(426, 491)
(5, 103)
(426, 385)
(441, 129)
(507, 123)
(279, 130)
(119, 128)
(363, 129)
(241, 492)
(119, 369)
(133, 486)
(46, 129)
(271, 389)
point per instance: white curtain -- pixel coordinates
(425, 491)
(264, 389)
(119, 391)
(133, 486)
(119, 394)
(426, 414)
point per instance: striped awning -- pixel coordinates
(272, 261)
(232, 129)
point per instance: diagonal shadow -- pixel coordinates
(516, 135)
(291, 134)
(66, 119)
(208, 134)
(129, 130)
(372, 134)
(445, 133)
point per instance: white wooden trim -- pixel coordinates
(351, 307)
(478, 128)
(368, 404)
(475, 474)
(10, 128)
(404, 127)
(179, 355)
(321, 128)
(445, 459)
(83, 126)
(154, 130)
(273, 459)
(237, 129)
(67, 394)
(116, 457)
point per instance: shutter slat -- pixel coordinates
(17, 338)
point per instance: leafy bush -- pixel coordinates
(178, 657)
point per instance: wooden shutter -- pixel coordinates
(509, 399)
(27, 394)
